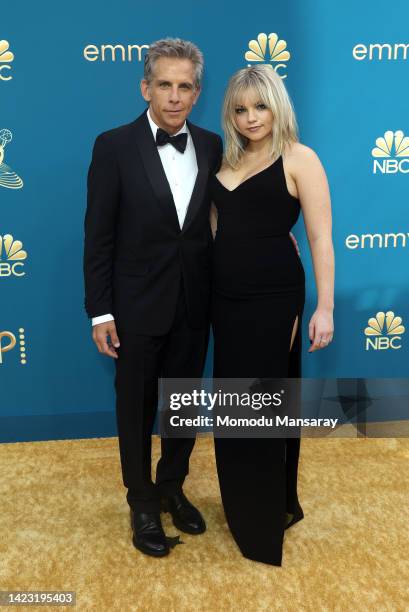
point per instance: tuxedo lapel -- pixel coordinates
(201, 178)
(153, 166)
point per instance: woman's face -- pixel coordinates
(252, 117)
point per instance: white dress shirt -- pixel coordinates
(181, 171)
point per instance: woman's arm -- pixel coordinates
(314, 195)
(213, 219)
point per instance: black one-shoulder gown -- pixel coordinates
(258, 291)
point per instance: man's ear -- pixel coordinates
(145, 90)
(197, 94)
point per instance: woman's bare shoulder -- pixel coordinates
(301, 160)
(296, 152)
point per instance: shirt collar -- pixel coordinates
(155, 127)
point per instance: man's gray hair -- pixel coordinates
(173, 47)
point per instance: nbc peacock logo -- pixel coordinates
(12, 257)
(384, 331)
(8, 178)
(391, 154)
(6, 57)
(269, 49)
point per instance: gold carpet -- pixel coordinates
(65, 526)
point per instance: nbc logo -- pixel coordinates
(391, 154)
(8, 341)
(8, 178)
(11, 256)
(6, 57)
(277, 52)
(384, 331)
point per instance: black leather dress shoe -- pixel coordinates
(292, 518)
(148, 534)
(185, 516)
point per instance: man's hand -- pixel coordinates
(295, 244)
(99, 336)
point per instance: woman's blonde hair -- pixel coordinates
(271, 91)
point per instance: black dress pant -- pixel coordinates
(142, 360)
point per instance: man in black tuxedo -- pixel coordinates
(147, 275)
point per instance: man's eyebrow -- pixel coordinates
(185, 83)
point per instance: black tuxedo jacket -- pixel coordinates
(134, 249)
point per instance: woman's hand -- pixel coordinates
(295, 243)
(321, 329)
(213, 219)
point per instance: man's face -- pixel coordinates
(171, 93)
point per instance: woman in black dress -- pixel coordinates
(266, 177)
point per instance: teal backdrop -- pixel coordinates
(347, 74)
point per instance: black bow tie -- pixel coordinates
(179, 141)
